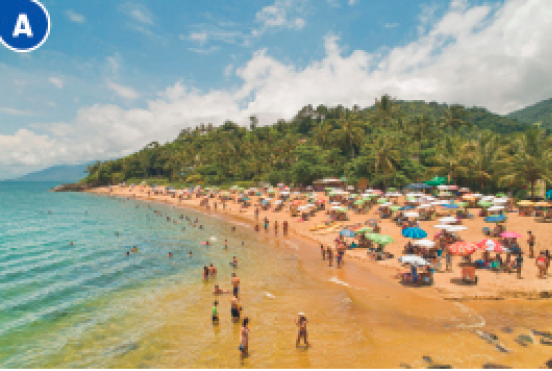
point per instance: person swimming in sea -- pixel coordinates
(170, 254)
(212, 270)
(219, 291)
(190, 254)
(215, 313)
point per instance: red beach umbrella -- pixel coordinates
(321, 201)
(462, 248)
(486, 243)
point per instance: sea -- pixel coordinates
(71, 296)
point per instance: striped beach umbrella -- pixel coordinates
(486, 243)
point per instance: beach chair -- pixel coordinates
(468, 275)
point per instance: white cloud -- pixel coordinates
(282, 14)
(75, 17)
(492, 56)
(353, 2)
(138, 12)
(57, 82)
(391, 25)
(14, 111)
(122, 91)
(199, 37)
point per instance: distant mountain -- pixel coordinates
(480, 117)
(61, 173)
(539, 112)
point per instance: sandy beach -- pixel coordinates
(491, 285)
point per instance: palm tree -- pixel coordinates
(454, 118)
(419, 127)
(322, 134)
(530, 160)
(350, 130)
(483, 156)
(383, 156)
(450, 159)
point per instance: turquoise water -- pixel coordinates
(56, 296)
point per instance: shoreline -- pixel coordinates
(384, 271)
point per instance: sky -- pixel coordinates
(115, 75)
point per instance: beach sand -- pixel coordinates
(400, 315)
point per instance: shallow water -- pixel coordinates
(89, 305)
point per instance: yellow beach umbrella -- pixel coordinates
(542, 204)
(525, 203)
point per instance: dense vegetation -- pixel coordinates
(537, 113)
(393, 143)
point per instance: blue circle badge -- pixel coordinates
(24, 24)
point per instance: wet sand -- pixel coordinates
(384, 324)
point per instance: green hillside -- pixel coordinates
(393, 143)
(540, 112)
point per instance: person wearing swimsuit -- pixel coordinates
(541, 264)
(302, 324)
(244, 339)
(215, 313)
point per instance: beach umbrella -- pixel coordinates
(414, 233)
(387, 204)
(501, 195)
(424, 206)
(412, 214)
(377, 191)
(424, 243)
(320, 201)
(542, 204)
(296, 202)
(510, 235)
(328, 189)
(411, 199)
(442, 226)
(359, 202)
(456, 228)
(347, 233)
(451, 206)
(500, 201)
(441, 202)
(395, 208)
(363, 230)
(391, 189)
(462, 248)
(453, 187)
(335, 203)
(497, 249)
(383, 240)
(448, 219)
(462, 204)
(413, 260)
(441, 187)
(525, 203)
(278, 202)
(464, 189)
(301, 208)
(486, 243)
(342, 209)
(371, 236)
(404, 208)
(495, 219)
(485, 204)
(382, 200)
(271, 191)
(549, 194)
(468, 197)
(495, 208)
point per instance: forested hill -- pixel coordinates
(392, 144)
(536, 113)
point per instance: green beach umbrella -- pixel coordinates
(395, 208)
(271, 191)
(383, 240)
(359, 202)
(342, 209)
(462, 204)
(501, 195)
(334, 193)
(410, 198)
(355, 195)
(382, 200)
(328, 189)
(485, 204)
(371, 236)
(391, 189)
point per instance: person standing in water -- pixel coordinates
(205, 273)
(215, 313)
(225, 244)
(244, 338)
(302, 325)
(235, 262)
(235, 285)
(235, 309)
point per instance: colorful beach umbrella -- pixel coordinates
(414, 233)
(510, 235)
(486, 243)
(495, 219)
(347, 233)
(462, 248)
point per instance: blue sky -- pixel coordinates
(114, 75)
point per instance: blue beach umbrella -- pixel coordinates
(549, 194)
(406, 208)
(414, 233)
(495, 219)
(451, 206)
(347, 233)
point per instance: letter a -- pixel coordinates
(22, 26)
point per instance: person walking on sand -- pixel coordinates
(266, 225)
(235, 285)
(329, 254)
(448, 260)
(234, 262)
(301, 323)
(285, 227)
(244, 339)
(541, 264)
(531, 243)
(275, 227)
(256, 213)
(519, 265)
(225, 244)
(323, 252)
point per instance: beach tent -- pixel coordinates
(436, 181)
